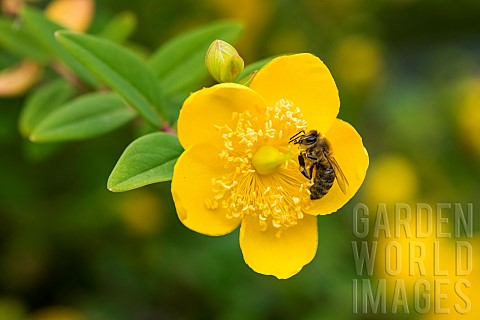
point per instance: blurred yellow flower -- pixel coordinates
(468, 115)
(16, 80)
(358, 61)
(11, 7)
(436, 268)
(392, 179)
(460, 294)
(75, 15)
(239, 168)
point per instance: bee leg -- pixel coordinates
(311, 172)
(303, 170)
(301, 161)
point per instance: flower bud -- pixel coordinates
(223, 62)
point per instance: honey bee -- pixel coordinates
(316, 155)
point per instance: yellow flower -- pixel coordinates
(392, 179)
(239, 168)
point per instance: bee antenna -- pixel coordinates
(296, 136)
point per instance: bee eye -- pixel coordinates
(311, 139)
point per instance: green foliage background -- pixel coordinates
(402, 68)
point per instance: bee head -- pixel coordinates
(310, 138)
(305, 139)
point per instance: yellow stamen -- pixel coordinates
(260, 183)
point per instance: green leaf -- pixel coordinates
(180, 62)
(149, 159)
(41, 103)
(120, 27)
(255, 66)
(86, 117)
(43, 30)
(119, 68)
(17, 40)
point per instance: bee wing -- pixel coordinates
(341, 179)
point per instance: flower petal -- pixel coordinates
(352, 157)
(282, 256)
(214, 106)
(304, 80)
(191, 187)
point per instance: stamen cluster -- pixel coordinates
(278, 198)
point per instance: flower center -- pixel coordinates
(262, 178)
(268, 159)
